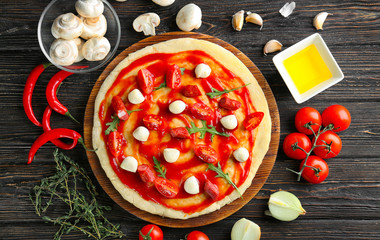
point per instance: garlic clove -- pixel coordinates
(64, 52)
(202, 71)
(96, 49)
(272, 46)
(320, 19)
(89, 8)
(163, 3)
(287, 9)
(245, 229)
(238, 20)
(94, 27)
(285, 206)
(146, 23)
(255, 19)
(67, 26)
(79, 42)
(136, 97)
(189, 17)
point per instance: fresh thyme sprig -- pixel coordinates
(222, 174)
(112, 126)
(217, 93)
(159, 168)
(210, 129)
(83, 213)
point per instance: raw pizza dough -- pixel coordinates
(233, 64)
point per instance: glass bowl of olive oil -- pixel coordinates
(308, 68)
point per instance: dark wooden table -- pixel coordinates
(345, 206)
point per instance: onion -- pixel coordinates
(245, 230)
(284, 206)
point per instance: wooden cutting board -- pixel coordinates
(225, 211)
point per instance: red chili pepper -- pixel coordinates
(51, 92)
(28, 92)
(51, 135)
(46, 127)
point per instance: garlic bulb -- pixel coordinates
(79, 42)
(96, 49)
(284, 206)
(64, 52)
(94, 27)
(89, 8)
(67, 26)
(245, 229)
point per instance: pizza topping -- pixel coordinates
(179, 132)
(191, 185)
(119, 107)
(229, 104)
(202, 111)
(136, 97)
(191, 91)
(173, 76)
(241, 154)
(206, 153)
(112, 126)
(114, 142)
(141, 133)
(202, 130)
(202, 70)
(211, 189)
(229, 122)
(146, 23)
(159, 168)
(253, 120)
(129, 164)
(166, 187)
(145, 80)
(217, 93)
(177, 107)
(154, 122)
(171, 155)
(146, 173)
(221, 174)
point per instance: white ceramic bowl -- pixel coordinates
(58, 7)
(316, 39)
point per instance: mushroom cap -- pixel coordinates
(67, 26)
(94, 27)
(89, 8)
(79, 42)
(64, 52)
(146, 23)
(96, 49)
(163, 3)
(189, 17)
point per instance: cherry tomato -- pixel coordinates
(318, 174)
(202, 111)
(310, 116)
(173, 76)
(332, 143)
(166, 187)
(206, 153)
(151, 232)
(253, 120)
(293, 140)
(115, 142)
(154, 122)
(197, 235)
(145, 79)
(337, 115)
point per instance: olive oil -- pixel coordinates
(307, 69)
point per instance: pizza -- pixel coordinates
(181, 128)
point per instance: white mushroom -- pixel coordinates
(163, 3)
(141, 133)
(129, 164)
(146, 23)
(191, 185)
(96, 49)
(79, 42)
(64, 52)
(171, 155)
(229, 122)
(135, 96)
(94, 27)
(202, 70)
(89, 8)
(241, 154)
(189, 17)
(177, 107)
(67, 26)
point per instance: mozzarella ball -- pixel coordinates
(136, 97)
(202, 70)
(229, 122)
(141, 133)
(171, 155)
(192, 185)
(129, 164)
(241, 154)
(177, 107)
